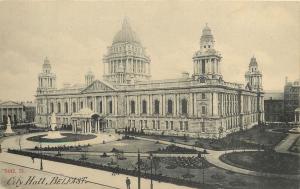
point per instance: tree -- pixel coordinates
(156, 164)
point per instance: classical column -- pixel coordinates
(75, 125)
(191, 105)
(104, 105)
(82, 126)
(98, 126)
(85, 127)
(90, 126)
(163, 98)
(161, 112)
(150, 105)
(138, 105)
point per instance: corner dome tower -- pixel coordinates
(207, 59)
(46, 79)
(253, 76)
(126, 59)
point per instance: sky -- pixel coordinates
(75, 35)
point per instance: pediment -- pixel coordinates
(97, 86)
(248, 87)
(10, 103)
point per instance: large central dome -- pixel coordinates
(126, 34)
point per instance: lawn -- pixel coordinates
(128, 145)
(256, 137)
(264, 161)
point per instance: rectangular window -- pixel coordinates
(81, 105)
(153, 124)
(180, 126)
(203, 110)
(202, 127)
(203, 66)
(167, 125)
(171, 123)
(158, 125)
(141, 124)
(186, 125)
(145, 123)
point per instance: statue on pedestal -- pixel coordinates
(8, 127)
(53, 134)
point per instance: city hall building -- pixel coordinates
(198, 105)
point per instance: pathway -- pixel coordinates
(285, 144)
(213, 157)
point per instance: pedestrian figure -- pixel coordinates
(128, 183)
(32, 159)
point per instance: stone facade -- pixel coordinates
(18, 112)
(274, 107)
(291, 99)
(200, 105)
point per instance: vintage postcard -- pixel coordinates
(149, 94)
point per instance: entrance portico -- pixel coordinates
(87, 121)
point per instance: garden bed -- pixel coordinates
(69, 137)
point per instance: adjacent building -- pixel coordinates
(291, 99)
(18, 112)
(198, 105)
(274, 106)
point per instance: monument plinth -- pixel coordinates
(53, 134)
(8, 127)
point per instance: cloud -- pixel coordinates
(75, 36)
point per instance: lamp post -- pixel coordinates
(139, 170)
(151, 181)
(41, 165)
(203, 168)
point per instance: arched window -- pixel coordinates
(66, 107)
(110, 107)
(184, 106)
(81, 105)
(156, 107)
(132, 107)
(51, 107)
(144, 106)
(58, 108)
(74, 107)
(91, 105)
(100, 106)
(170, 106)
